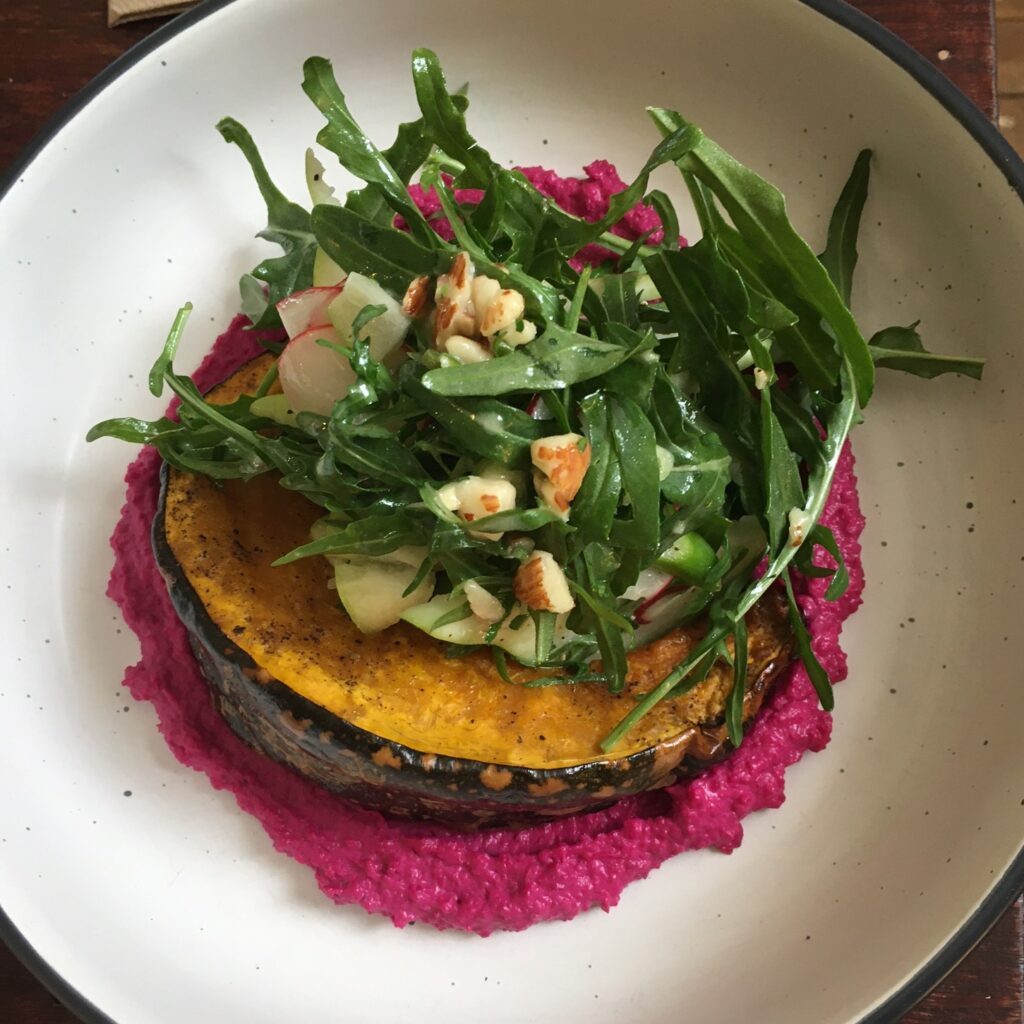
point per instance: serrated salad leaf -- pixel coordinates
(288, 225)
(901, 348)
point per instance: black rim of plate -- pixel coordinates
(988, 138)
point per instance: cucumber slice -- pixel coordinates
(319, 191)
(386, 332)
(372, 589)
(467, 631)
(326, 273)
(276, 408)
(520, 643)
(689, 559)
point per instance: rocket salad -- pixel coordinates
(553, 460)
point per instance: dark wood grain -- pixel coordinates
(957, 36)
(986, 987)
(49, 49)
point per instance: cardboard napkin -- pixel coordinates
(120, 11)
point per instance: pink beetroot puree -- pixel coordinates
(500, 879)
(585, 197)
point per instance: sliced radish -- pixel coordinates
(313, 377)
(537, 410)
(649, 583)
(303, 310)
(645, 612)
(665, 612)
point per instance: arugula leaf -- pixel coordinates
(377, 535)
(166, 357)
(391, 257)
(444, 122)
(901, 348)
(758, 210)
(595, 505)
(818, 676)
(701, 464)
(822, 536)
(488, 428)
(288, 225)
(597, 564)
(523, 520)
(619, 298)
(635, 446)
(734, 707)
(702, 354)
(684, 677)
(783, 490)
(343, 137)
(456, 614)
(799, 332)
(667, 215)
(840, 255)
(557, 359)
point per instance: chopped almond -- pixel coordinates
(484, 291)
(562, 462)
(550, 495)
(517, 335)
(414, 303)
(540, 584)
(482, 603)
(466, 350)
(453, 296)
(504, 310)
(461, 275)
(479, 496)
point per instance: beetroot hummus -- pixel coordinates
(501, 879)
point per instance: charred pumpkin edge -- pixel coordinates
(381, 773)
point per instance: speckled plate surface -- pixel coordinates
(145, 897)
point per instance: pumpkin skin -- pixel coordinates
(387, 719)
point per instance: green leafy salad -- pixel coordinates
(557, 465)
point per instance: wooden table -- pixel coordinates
(50, 48)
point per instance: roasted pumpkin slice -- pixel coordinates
(387, 718)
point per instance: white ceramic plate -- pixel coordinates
(896, 847)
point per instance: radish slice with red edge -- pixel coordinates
(304, 310)
(312, 376)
